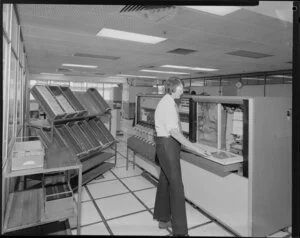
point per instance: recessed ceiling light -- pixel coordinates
(163, 72)
(80, 65)
(137, 76)
(124, 35)
(253, 78)
(217, 10)
(281, 76)
(51, 74)
(203, 69)
(188, 67)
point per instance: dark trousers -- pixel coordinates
(170, 201)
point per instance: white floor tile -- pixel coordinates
(89, 214)
(121, 172)
(106, 176)
(95, 229)
(84, 195)
(279, 234)
(211, 229)
(136, 224)
(147, 196)
(194, 217)
(108, 188)
(137, 183)
(122, 145)
(119, 205)
(121, 161)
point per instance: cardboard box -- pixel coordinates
(27, 155)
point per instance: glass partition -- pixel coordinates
(12, 96)
(19, 97)
(5, 17)
(15, 33)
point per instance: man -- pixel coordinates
(169, 208)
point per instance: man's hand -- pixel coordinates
(201, 151)
(196, 148)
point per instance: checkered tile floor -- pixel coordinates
(121, 202)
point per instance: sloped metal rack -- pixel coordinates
(74, 120)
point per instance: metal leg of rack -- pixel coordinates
(127, 158)
(133, 159)
(79, 200)
(116, 154)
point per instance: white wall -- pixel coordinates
(129, 92)
(251, 90)
(211, 90)
(279, 90)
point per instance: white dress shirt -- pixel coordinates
(166, 116)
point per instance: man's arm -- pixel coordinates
(186, 143)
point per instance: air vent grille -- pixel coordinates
(248, 54)
(63, 70)
(181, 51)
(94, 56)
(146, 66)
(201, 72)
(135, 8)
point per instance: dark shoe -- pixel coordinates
(164, 225)
(181, 235)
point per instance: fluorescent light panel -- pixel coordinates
(217, 10)
(80, 65)
(51, 74)
(124, 35)
(137, 76)
(250, 78)
(163, 72)
(188, 67)
(281, 76)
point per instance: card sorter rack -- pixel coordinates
(57, 102)
(63, 101)
(84, 137)
(104, 107)
(48, 102)
(88, 102)
(74, 101)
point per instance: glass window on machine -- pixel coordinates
(207, 131)
(225, 135)
(232, 128)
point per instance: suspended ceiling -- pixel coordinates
(53, 34)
